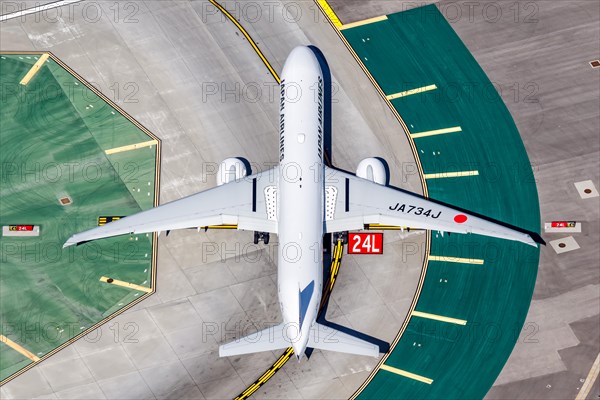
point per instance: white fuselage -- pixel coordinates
(301, 195)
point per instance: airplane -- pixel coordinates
(301, 200)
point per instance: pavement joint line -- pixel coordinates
(458, 174)
(19, 348)
(129, 147)
(459, 260)
(34, 69)
(589, 381)
(125, 284)
(406, 374)
(36, 9)
(439, 318)
(411, 92)
(363, 22)
(331, 14)
(436, 132)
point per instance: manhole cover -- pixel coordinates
(587, 191)
(562, 245)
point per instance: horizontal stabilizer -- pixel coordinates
(325, 338)
(269, 339)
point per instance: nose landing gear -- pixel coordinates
(343, 236)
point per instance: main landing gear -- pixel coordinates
(261, 236)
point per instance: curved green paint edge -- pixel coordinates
(418, 48)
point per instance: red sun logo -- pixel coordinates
(460, 218)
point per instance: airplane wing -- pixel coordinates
(353, 202)
(249, 202)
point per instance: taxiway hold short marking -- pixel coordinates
(406, 374)
(411, 92)
(456, 260)
(126, 284)
(589, 381)
(19, 348)
(34, 69)
(131, 147)
(330, 13)
(458, 174)
(436, 132)
(363, 22)
(439, 318)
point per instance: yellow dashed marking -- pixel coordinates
(330, 13)
(439, 318)
(436, 132)
(458, 174)
(364, 22)
(34, 69)
(456, 260)
(126, 284)
(131, 147)
(406, 374)
(411, 92)
(19, 348)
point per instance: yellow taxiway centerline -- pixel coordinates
(406, 374)
(589, 381)
(439, 318)
(126, 284)
(131, 147)
(248, 37)
(363, 22)
(330, 13)
(19, 348)
(456, 260)
(34, 69)
(411, 92)
(458, 174)
(436, 132)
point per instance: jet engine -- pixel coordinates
(231, 169)
(372, 169)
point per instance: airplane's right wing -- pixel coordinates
(249, 203)
(353, 202)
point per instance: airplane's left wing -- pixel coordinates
(247, 203)
(353, 202)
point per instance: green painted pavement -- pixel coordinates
(52, 144)
(418, 48)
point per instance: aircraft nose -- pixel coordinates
(300, 58)
(298, 351)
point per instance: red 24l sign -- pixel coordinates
(365, 243)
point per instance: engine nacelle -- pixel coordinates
(231, 169)
(373, 170)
